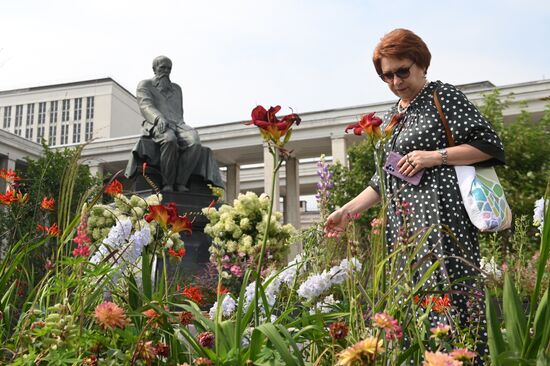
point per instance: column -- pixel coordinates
(96, 168)
(292, 201)
(339, 149)
(233, 182)
(268, 171)
(6, 163)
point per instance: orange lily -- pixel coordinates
(369, 124)
(115, 187)
(47, 203)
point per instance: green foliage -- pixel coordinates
(349, 182)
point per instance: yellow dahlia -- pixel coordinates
(110, 315)
(365, 350)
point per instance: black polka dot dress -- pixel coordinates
(436, 202)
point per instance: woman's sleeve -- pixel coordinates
(375, 183)
(468, 126)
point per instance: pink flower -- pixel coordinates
(440, 330)
(81, 251)
(110, 315)
(462, 354)
(389, 325)
(439, 359)
(206, 339)
(236, 270)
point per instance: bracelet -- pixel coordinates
(444, 156)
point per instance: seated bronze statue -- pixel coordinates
(168, 143)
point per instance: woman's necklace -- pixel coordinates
(403, 110)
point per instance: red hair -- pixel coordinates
(402, 43)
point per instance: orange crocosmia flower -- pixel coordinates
(193, 293)
(115, 187)
(178, 254)
(49, 231)
(47, 203)
(442, 304)
(9, 175)
(222, 290)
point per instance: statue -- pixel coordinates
(177, 149)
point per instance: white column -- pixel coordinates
(292, 201)
(292, 197)
(96, 168)
(232, 184)
(339, 150)
(268, 171)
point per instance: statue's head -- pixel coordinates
(162, 66)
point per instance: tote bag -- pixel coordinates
(480, 189)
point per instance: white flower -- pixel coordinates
(314, 286)
(538, 213)
(338, 274)
(490, 268)
(324, 306)
(228, 307)
(289, 273)
(137, 242)
(119, 233)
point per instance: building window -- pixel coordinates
(30, 121)
(53, 112)
(18, 119)
(77, 109)
(64, 134)
(53, 135)
(65, 110)
(41, 121)
(7, 117)
(76, 132)
(89, 133)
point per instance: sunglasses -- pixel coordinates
(401, 73)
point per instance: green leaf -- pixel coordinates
(280, 344)
(146, 275)
(495, 341)
(514, 317)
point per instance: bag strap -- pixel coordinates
(450, 140)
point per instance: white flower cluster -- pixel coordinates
(490, 268)
(324, 306)
(316, 284)
(228, 307)
(294, 267)
(237, 233)
(271, 292)
(538, 213)
(103, 217)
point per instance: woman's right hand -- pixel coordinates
(336, 223)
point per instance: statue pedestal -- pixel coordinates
(191, 204)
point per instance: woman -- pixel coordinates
(402, 60)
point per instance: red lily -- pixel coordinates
(47, 203)
(9, 175)
(158, 213)
(370, 124)
(50, 231)
(272, 128)
(115, 187)
(8, 198)
(181, 223)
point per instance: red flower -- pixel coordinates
(442, 304)
(179, 254)
(47, 203)
(192, 293)
(81, 251)
(370, 124)
(395, 119)
(9, 176)
(162, 349)
(186, 317)
(49, 231)
(206, 339)
(270, 126)
(168, 214)
(222, 290)
(8, 198)
(338, 330)
(115, 187)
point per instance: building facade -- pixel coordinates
(70, 113)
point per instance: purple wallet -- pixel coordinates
(390, 166)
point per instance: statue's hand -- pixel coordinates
(161, 125)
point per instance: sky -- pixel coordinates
(231, 55)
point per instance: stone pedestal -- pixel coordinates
(191, 204)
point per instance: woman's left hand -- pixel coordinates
(417, 160)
